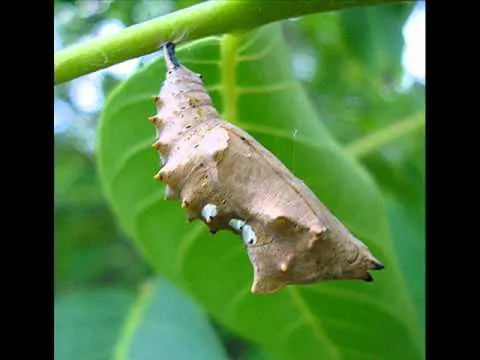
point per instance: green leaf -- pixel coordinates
(87, 324)
(356, 65)
(409, 233)
(165, 321)
(111, 324)
(373, 36)
(88, 245)
(250, 80)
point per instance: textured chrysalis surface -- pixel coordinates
(228, 180)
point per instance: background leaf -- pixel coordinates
(87, 324)
(90, 250)
(165, 323)
(348, 320)
(162, 322)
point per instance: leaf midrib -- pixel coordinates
(134, 320)
(313, 322)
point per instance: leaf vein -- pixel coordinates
(289, 330)
(266, 88)
(133, 321)
(281, 134)
(313, 322)
(186, 243)
(200, 61)
(262, 54)
(127, 156)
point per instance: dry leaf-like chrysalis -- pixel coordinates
(224, 177)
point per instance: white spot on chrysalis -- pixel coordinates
(236, 224)
(209, 211)
(248, 235)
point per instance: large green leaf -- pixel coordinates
(88, 245)
(87, 324)
(250, 80)
(409, 238)
(165, 324)
(161, 323)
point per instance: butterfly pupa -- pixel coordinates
(225, 178)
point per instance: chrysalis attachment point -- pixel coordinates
(209, 211)
(170, 58)
(158, 177)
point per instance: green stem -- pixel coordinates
(198, 21)
(376, 140)
(229, 46)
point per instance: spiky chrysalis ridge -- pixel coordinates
(225, 178)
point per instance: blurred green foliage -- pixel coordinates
(90, 250)
(353, 81)
(160, 322)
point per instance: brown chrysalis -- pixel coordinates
(224, 177)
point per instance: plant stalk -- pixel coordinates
(198, 21)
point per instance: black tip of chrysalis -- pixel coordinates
(378, 266)
(170, 58)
